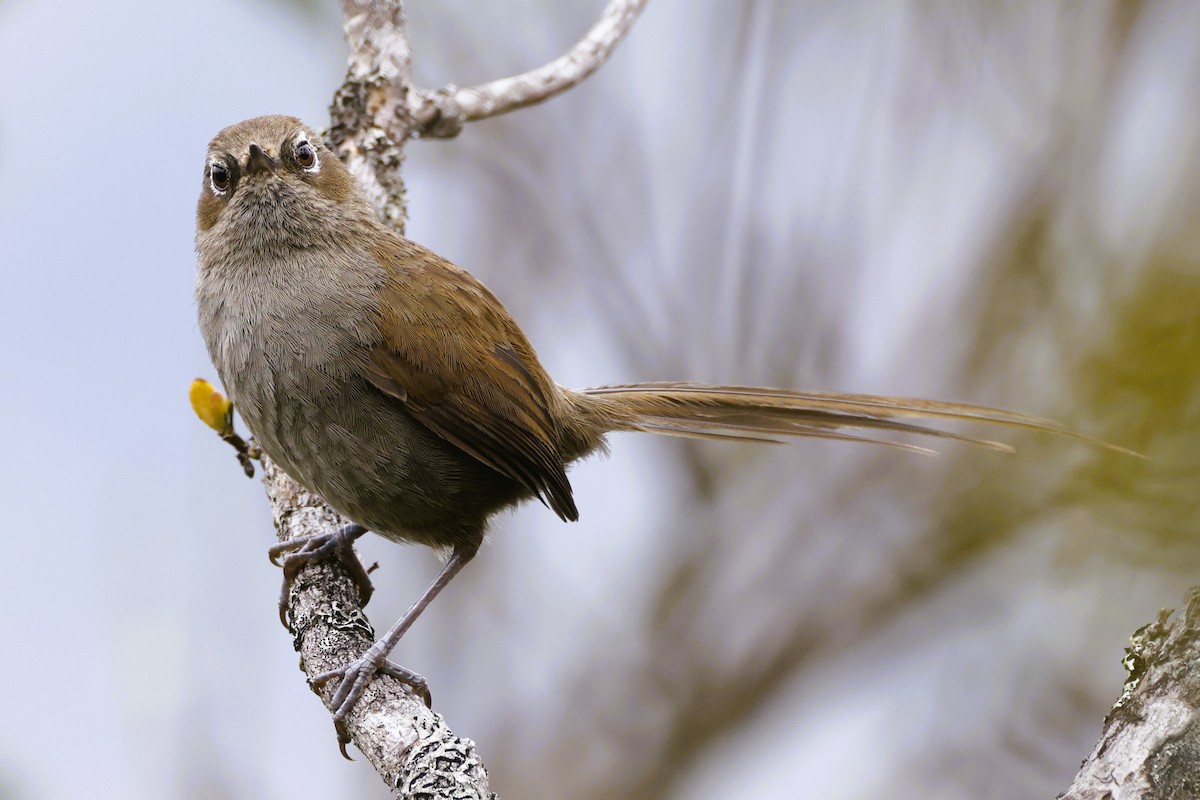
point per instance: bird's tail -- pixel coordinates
(756, 414)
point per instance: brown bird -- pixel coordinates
(396, 385)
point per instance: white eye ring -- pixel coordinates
(219, 185)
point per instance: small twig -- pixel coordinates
(442, 113)
(216, 411)
(245, 451)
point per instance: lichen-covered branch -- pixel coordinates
(411, 747)
(369, 114)
(1150, 748)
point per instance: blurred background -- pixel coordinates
(991, 203)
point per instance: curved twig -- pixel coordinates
(443, 112)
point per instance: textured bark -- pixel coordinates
(369, 119)
(1150, 748)
(411, 747)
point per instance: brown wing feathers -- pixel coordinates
(482, 391)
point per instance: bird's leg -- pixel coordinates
(299, 553)
(358, 674)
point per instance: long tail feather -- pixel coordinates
(757, 414)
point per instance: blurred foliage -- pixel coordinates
(1140, 388)
(1144, 383)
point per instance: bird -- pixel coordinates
(397, 386)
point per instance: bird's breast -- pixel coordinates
(292, 357)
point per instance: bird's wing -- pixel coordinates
(462, 367)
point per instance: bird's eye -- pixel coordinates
(306, 156)
(218, 176)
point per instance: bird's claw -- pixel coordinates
(295, 554)
(354, 678)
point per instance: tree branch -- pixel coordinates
(411, 747)
(369, 118)
(1150, 747)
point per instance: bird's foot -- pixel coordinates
(295, 554)
(354, 679)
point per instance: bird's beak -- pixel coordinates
(259, 161)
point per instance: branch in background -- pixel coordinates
(409, 745)
(1152, 735)
(441, 114)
